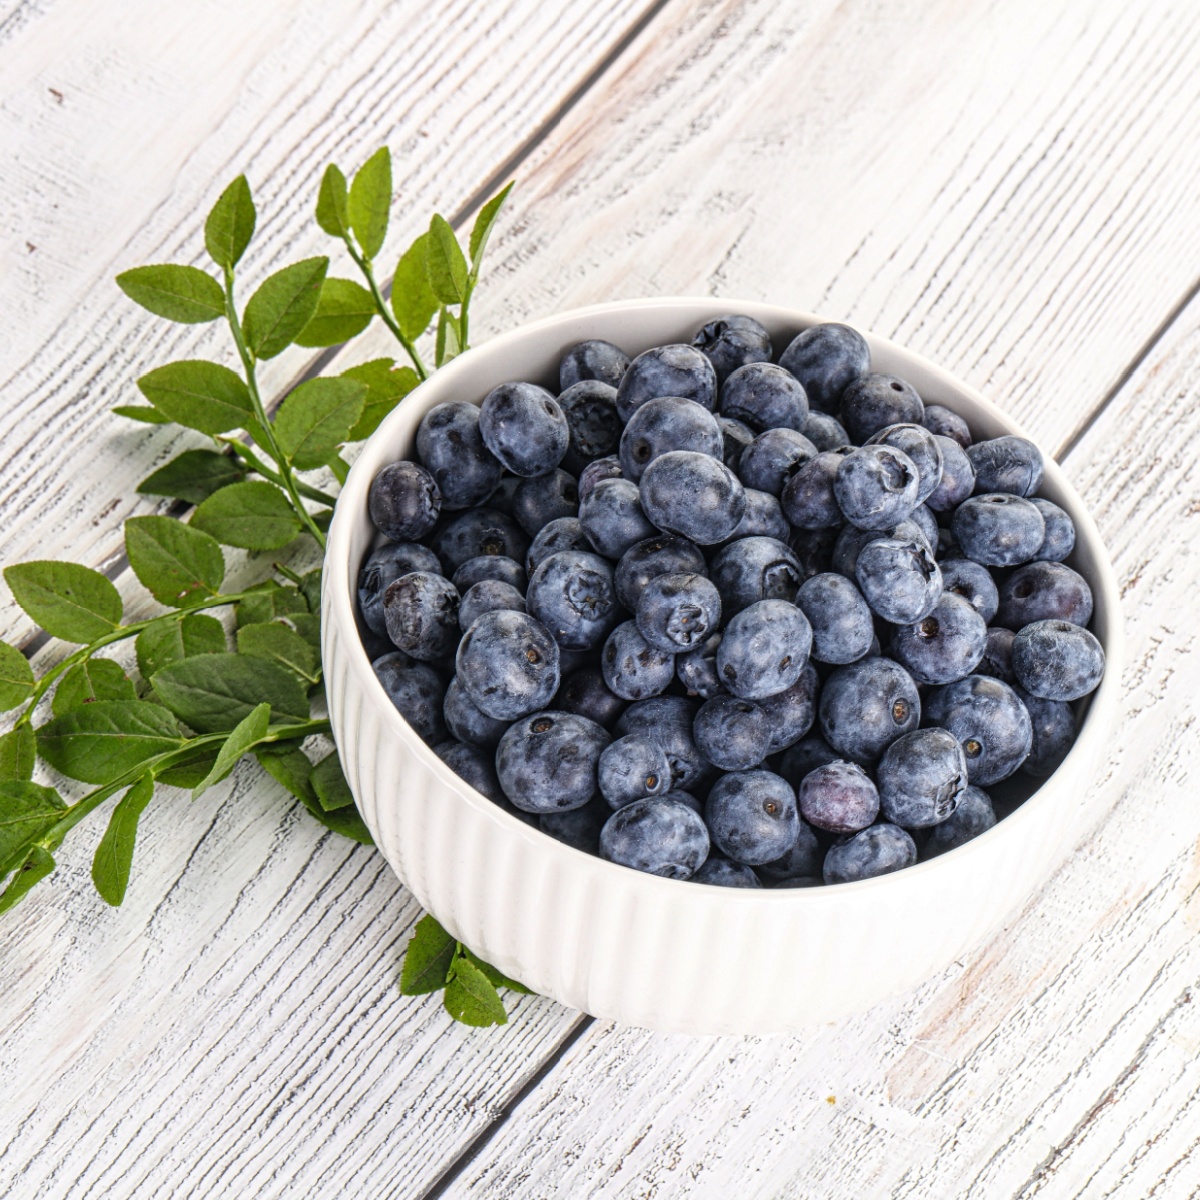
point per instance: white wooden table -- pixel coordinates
(1013, 190)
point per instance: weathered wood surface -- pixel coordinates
(1010, 191)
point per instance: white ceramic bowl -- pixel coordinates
(668, 955)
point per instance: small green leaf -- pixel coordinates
(340, 468)
(102, 741)
(27, 811)
(201, 395)
(214, 692)
(444, 262)
(114, 854)
(193, 476)
(268, 602)
(177, 565)
(16, 677)
(386, 387)
(332, 204)
(495, 977)
(138, 412)
(447, 337)
(471, 997)
(252, 515)
(168, 642)
(278, 644)
(286, 763)
(427, 959)
(247, 734)
(18, 751)
(484, 223)
(413, 298)
(190, 771)
(283, 305)
(91, 680)
(329, 782)
(37, 865)
(345, 310)
(230, 225)
(370, 200)
(183, 294)
(308, 626)
(316, 417)
(68, 601)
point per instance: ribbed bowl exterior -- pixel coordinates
(665, 955)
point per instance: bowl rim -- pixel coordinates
(339, 596)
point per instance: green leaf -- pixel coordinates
(495, 977)
(184, 294)
(484, 223)
(447, 337)
(68, 601)
(316, 418)
(333, 214)
(329, 782)
(91, 680)
(247, 734)
(427, 959)
(138, 412)
(268, 602)
(310, 588)
(193, 476)
(444, 262)
(37, 865)
(168, 642)
(286, 763)
(345, 310)
(370, 200)
(413, 298)
(18, 751)
(283, 305)
(191, 771)
(386, 387)
(230, 225)
(308, 626)
(253, 515)
(177, 565)
(214, 692)
(16, 677)
(278, 644)
(102, 741)
(471, 997)
(199, 394)
(340, 468)
(27, 811)
(114, 854)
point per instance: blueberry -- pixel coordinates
(973, 816)
(675, 370)
(866, 706)
(997, 655)
(877, 850)
(806, 755)
(593, 426)
(648, 559)
(486, 595)
(958, 477)
(478, 531)
(659, 835)
(1006, 464)
(579, 828)
(808, 498)
(722, 872)
(732, 342)
(547, 498)
(789, 714)
(697, 670)
(612, 518)
(998, 529)
(763, 649)
(693, 495)
(572, 594)
(764, 396)
(596, 472)
(421, 611)
(585, 692)
(667, 720)
(592, 360)
(772, 458)
(678, 611)
(523, 426)
(415, 688)
(664, 424)
(851, 541)
(973, 583)
(921, 776)
(452, 450)
(898, 579)
(467, 721)
(840, 618)
(735, 437)
(1060, 531)
(474, 765)
(404, 501)
(547, 762)
(556, 537)
(756, 568)
(989, 722)
(752, 816)
(1053, 724)
(921, 447)
(632, 768)
(731, 733)
(801, 861)
(382, 567)
(923, 518)
(509, 664)
(946, 423)
(1043, 591)
(763, 518)
(839, 797)
(946, 645)
(827, 359)
(873, 402)
(876, 487)
(813, 549)
(824, 431)
(634, 669)
(490, 566)
(1057, 660)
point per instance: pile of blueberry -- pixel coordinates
(722, 619)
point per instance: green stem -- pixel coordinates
(464, 344)
(272, 446)
(242, 451)
(385, 312)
